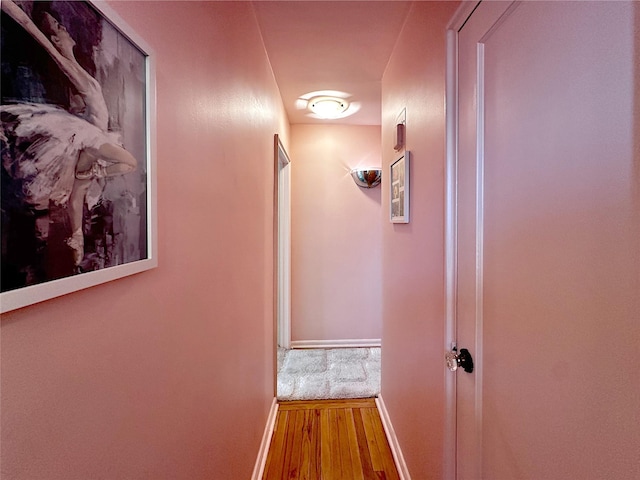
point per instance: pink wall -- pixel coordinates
(413, 254)
(169, 373)
(335, 234)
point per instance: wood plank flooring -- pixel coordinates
(329, 440)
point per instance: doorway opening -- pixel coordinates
(349, 369)
(283, 245)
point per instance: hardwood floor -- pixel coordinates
(329, 440)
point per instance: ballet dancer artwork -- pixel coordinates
(76, 110)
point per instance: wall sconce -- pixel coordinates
(367, 177)
(399, 144)
(401, 131)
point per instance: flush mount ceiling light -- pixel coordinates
(327, 104)
(328, 107)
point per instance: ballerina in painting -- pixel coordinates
(55, 153)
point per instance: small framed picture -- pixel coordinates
(399, 193)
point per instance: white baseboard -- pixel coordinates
(403, 471)
(349, 343)
(258, 469)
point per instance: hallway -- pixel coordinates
(523, 245)
(332, 440)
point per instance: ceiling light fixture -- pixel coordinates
(328, 107)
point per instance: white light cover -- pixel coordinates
(328, 107)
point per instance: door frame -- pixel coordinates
(456, 23)
(282, 244)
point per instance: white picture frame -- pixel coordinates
(399, 189)
(116, 251)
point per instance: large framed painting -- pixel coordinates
(399, 191)
(78, 198)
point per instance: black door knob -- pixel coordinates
(465, 360)
(462, 359)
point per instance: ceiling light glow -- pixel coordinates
(328, 107)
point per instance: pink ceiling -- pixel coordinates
(331, 45)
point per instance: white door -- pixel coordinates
(548, 224)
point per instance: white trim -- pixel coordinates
(350, 343)
(462, 14)
(401, 465)
(451, 234)
(283, 232)
(258, 469)
(480, 114)
(456, 23)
